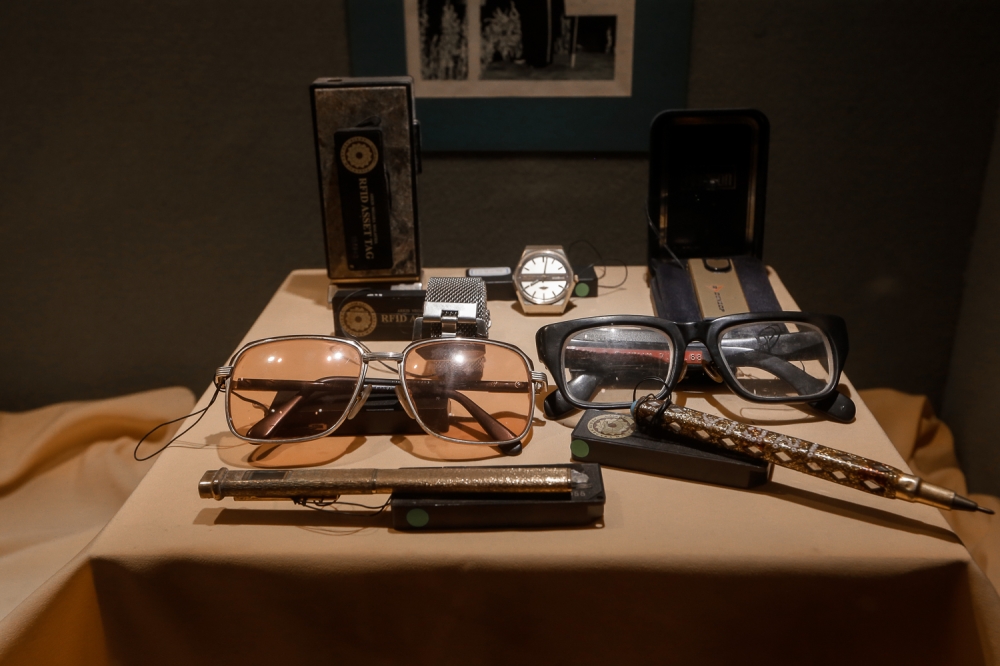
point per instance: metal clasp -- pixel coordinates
(450, 315)
(221, 375)
(540, 380)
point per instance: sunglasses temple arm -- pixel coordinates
(498, 431)
(493, 428)
(263, 428)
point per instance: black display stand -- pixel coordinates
(678, 457)
(582, 506)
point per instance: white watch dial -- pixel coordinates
(544, 279)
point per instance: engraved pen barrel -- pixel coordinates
(841, 467)
(331, 483)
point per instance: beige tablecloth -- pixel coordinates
(64, 472)
(927, 445)
(798, 571)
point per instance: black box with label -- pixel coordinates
(610, 438)
(368, 156)
(368, 313)
(707, 189)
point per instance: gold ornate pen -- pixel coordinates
(870, 476)
(321, 484)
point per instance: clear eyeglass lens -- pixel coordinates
(291, 389)
(470, 391)
(606, 364)
(777, 359)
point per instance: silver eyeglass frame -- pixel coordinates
(537, 382)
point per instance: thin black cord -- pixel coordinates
(617, 284)
(602, 264)
(321, 505)
(656, 232)
(659, 380)
(201, 412)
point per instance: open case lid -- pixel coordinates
(707, 182)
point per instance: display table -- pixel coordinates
(799, 570)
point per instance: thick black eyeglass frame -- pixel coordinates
(551, 339)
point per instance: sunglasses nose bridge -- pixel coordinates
(383, 356)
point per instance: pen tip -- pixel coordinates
(965, 504)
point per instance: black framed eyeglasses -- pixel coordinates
(770, 357)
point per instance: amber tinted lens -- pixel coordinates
(606, 364)
(290, 389)
(777, 359)
(469, 391)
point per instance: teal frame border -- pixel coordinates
(377, 36)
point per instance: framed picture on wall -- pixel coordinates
(525, 48)
(529, 75)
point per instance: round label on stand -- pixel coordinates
(579, 448)
(612, 426)
(357, 319)
(359, 155)
(417, 517)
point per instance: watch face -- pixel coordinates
(544, 278)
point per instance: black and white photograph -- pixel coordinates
(525, 48)
(444, 43)
(543, 40)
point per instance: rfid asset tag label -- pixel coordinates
(364, 198)
(376, 314)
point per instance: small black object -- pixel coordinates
(586, 286)
(498, 281)
(610, 438)
(582, 506)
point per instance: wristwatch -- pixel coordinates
(544, 280)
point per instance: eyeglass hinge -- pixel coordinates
(221, 375)
(540, 380)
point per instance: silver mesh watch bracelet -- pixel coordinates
(453, 307)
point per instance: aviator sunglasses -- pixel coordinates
(303, 387)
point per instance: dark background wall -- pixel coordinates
(970, 394)
(157, 178)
